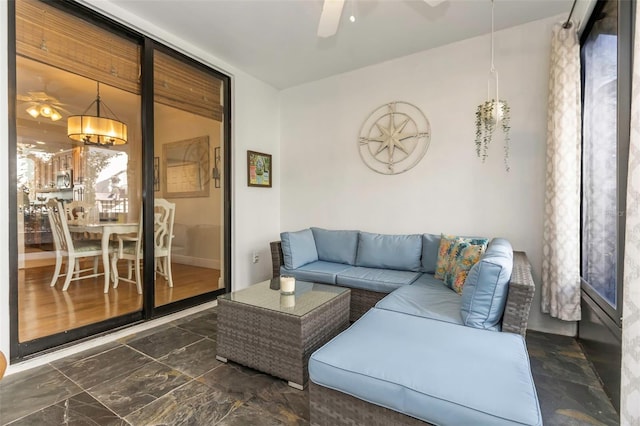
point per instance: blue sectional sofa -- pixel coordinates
(418, 352)
(497, 294)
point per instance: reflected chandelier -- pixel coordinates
(97, 130)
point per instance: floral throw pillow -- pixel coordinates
(446, 244)
(463, 255)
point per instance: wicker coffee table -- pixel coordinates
(276, 333)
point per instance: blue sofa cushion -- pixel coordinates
(426, 297)
(380, 280)
(437, 372)
(336, 246)
(298, 248)
(430, 246)
(316, 272)
(485, 291)
(400, 252)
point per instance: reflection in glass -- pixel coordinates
(188, 128)
(599, 187)
(94, 185)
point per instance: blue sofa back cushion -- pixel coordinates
(298, 248)
(485, 291)
(336, 246)
(400, 252)
(430, 246)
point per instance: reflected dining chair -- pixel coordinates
(130, 248)
(73, 250)
(80, 212)
(164, 213)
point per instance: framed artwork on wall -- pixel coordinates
(259, 169)
(185, 171)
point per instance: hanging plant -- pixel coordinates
(488, 117)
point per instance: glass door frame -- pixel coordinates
(624, 54)
(20, 351)
(148, 138)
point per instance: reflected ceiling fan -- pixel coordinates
(332, 10)
(42, 104)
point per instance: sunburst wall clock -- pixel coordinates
(394, 138)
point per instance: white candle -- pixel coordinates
(287, 284)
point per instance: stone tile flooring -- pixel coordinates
(169, 376)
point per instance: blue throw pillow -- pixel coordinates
(336, 246)
(400, 252)
(485, 290)
(430, 246)
(298, 248)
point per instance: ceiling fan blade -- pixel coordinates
(330, 17)
(434, 3)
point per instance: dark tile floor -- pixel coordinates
(169, 376)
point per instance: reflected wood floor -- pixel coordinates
(45, 310)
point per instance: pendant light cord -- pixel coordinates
(492, 26)
(492, 71)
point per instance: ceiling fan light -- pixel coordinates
(46, 110)
(55, 115)
(33, 111)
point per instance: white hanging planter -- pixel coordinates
(490, 115)
(492, 112)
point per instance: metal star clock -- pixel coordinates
(394, 138)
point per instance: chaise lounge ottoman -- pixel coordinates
(395, 368)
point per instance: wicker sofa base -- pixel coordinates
(330, 408)
(362, 301)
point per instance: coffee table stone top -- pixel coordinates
(307, 297)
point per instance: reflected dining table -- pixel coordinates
(106, 229)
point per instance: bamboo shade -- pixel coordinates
(57, 38)
(185, 87)
(62, 40)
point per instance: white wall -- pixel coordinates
(255, 116)
(325, 183)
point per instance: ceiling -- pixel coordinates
(276, 41)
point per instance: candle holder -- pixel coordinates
(287, 284)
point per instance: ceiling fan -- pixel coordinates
(332, 10)
(40, 103)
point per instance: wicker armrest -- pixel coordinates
(277, 259)
(521, 290)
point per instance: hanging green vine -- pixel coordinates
(486, 125)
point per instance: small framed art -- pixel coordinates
(259, 169)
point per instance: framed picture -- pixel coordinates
(156, 174)
(259, 169)
(185, 171)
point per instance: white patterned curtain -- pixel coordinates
(561, 238)
(630, 374)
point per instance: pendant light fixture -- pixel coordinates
(97, 130)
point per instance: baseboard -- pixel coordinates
(196, 261)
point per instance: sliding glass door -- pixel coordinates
(117, 219)
(188, 143)
(69, 192)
